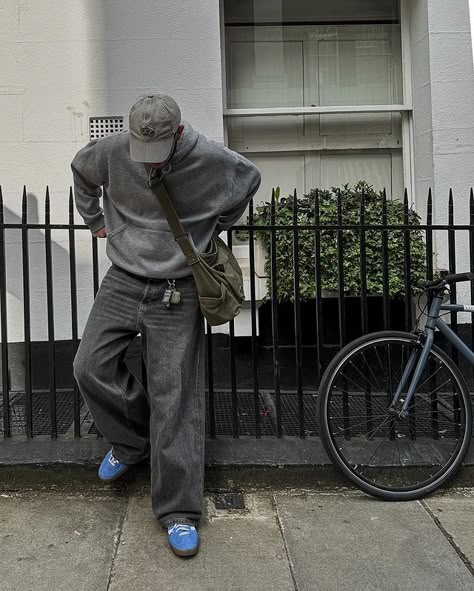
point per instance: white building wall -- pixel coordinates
(443, 89)
(63, 61)
(422, 108)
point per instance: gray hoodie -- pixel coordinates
(208, 184)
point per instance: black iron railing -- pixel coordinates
(270, 385)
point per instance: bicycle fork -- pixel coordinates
(416, 359)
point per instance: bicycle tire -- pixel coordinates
(399, 493)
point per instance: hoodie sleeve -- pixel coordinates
(87, 186)
(245, 183)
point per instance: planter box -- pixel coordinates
(241, 253)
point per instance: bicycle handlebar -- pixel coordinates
(454, 278)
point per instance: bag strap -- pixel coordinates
(180, 235)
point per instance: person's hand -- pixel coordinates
(102, 233)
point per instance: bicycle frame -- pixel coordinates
(426, 342)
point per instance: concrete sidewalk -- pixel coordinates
(283, 540)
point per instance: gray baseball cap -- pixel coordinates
(153, 122)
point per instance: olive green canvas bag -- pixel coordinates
(216, 272)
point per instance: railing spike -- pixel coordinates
(429, 208)
(24, 207)
(47, 208)
(451, 208)
(384, 206)
(71, 206)
(295, 208)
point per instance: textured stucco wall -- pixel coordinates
(443, 89)
(63, 61)
(422, 109)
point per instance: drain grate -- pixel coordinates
(233, 500)
(40, 402)
(246, 413)
(222, 413)
(267, 409)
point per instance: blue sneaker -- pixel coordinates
(111, 468)
(183, 539)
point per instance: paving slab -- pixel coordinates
(351, 542)
(241, 550)
(57, 542)
(456, 515)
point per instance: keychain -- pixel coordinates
(171, 295)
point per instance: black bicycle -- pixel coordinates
(395, 412)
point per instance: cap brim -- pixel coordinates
(150, 151)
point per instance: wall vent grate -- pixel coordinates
(103, 126)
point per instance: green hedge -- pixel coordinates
(351, 208)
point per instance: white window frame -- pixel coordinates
(405, 109)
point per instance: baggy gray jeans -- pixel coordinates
(166, 422)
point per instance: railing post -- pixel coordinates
(407, 263)
(4, 321)
(342, 307)
(452, 298)
(363, 268)
(274, 296)
(471, 261)
(429, 237)
(256, 389)
(429, 273)
(385, 278)
(340, 268)
(50, 306)
(74, 323)
(233, 369)
(317, 272)
(297, 318)
(26, 314)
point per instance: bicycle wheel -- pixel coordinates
(396, 459)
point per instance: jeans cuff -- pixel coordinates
(171, 521)
(131, 462)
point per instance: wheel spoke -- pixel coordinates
(365, 435)
(352, 427)
(370, 370)
(363, 376)
(376, 450)
(352, 382)
(429, 378)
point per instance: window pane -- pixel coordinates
(312, 65)
(295, 11)
(279, 57)
(265, 74)
(305, 171)
(315, 132)
(293, 151)
(380, 170)
(358, 71)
